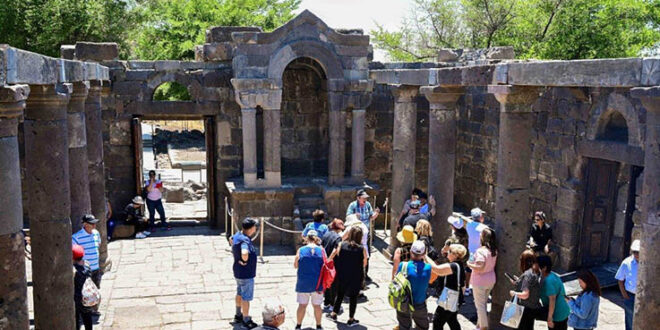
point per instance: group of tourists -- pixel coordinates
(471, 255)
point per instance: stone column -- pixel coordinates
(94, 129)
(647, 301)
(249, 123)
(49, 204)
(442, 153)
(337, 134)
(357, 145)
(13, 286)
(512, 191)
(78, 163)
(403, 154)
(272, 142)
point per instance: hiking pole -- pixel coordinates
(226, 214)
(387, 199)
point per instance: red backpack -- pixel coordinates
(327, 275)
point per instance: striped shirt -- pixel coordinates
(91, 243)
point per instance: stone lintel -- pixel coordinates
(18, 66)
(404, 93)
(442, 98)
(417, 77)
(12, 100)
(511, 97)
(613, 151)
(625, 72)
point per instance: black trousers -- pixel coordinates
(442, 316)
(330, 294)
(527, 320)
(560, 325)
(352, 302)
(419, 316)
(83, 317)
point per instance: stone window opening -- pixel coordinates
(613, 128)
(171, 91)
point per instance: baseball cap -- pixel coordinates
(362, 193)
(78, 251)
(248, 223)
(137, 200)
(415, 204)
(312, 233)
(457, 222)
(88, 218)
(476, 213)
(635, 246)
(418, 247)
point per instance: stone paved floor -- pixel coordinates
(182, 279)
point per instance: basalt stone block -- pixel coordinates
(223, 33)
(500, 53)
(68, 52)
(97, 51)
(447, 55)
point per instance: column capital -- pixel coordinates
(47, 101)
(12, 100)
(515, 96)
(442, 98)
(404, 93)
(649, 97)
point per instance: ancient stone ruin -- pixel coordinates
(301, 117)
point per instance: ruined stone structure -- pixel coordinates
(300, 117)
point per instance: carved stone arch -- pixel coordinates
(307, 48)
(601, 113)
(193, 86)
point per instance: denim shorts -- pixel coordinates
(245, 288)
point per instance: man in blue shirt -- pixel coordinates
(316, 225)
(245, 269)
(362, 208)
(627, 277)
(419, 275)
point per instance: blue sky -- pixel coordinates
(362, 14)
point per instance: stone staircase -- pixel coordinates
(307, 200)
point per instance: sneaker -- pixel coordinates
(331, 316)
(238, 319)
(146, 233)
(250, 324)
(327, 308)
(298, 327)
(319, 327)
(352, 322)
(468, 292)
(140, 235)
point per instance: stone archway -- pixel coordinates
(614, 105)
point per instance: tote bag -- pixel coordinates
(448, 299)
(512, 313)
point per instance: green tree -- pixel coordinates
(43, 25)
(543, 29)
(169, 29)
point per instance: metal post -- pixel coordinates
(387, 200)
(261, 240)
(226, 213)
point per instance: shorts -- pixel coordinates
(317, 298)
(245, 288)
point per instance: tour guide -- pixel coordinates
(245, 269)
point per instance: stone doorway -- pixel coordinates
(598, 220)
(304, 119)
(181, 153)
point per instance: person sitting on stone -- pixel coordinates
(414, 195)
(273, 316)
(540, 237)
(402, 254)
(414, 215)
(133, 216)
(316, 225)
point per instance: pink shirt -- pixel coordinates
(486, 276)
(154, 194)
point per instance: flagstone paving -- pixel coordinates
(182, 279)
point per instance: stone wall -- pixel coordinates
(304, 121)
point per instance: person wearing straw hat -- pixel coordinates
(133, 216)
(402, 254)
(627, 277)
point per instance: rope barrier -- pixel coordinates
(282, 229)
